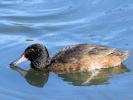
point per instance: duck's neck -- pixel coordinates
(42, 60)
(40, 63)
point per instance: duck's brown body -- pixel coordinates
(86, 57)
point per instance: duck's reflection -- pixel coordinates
(32, 76)
(96, 77)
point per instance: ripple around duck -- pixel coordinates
(26, 8)
(10, 41)
(19, 94)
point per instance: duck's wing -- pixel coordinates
(102, 50)
(76, 52)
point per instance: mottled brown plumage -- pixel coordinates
(86, 57)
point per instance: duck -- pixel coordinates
(78, 57)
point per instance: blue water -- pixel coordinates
(57, 23)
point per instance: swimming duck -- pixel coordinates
(80, 57)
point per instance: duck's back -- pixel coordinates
(87, 55)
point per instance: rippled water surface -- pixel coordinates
(57, 23)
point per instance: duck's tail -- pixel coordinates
(125, 54)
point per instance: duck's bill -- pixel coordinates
(19, 60)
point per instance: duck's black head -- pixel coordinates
(37, 54)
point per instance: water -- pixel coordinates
(58, 23)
